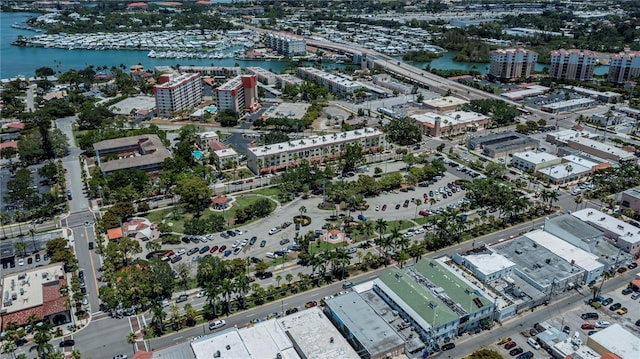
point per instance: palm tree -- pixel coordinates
(32, 233)
(75, 354)
(288, 278)
(41, 339)
(367, 228)
(418, 204)
(381, 227)
(605, 275)
(278, 279)
(158, 313)
(9, 345)
(302, 211)
(227, 289)
(578, 200)
(4, 216)
(432, 201)
(132, 338)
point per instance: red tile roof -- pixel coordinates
(216, 145)
(52, 303)
(12, 144)
(114, 233)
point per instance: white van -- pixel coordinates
(532, 341)
(271, 255)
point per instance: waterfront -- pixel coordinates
(16, 60)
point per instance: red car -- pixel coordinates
(588, 326)
(169, 254)
(213, 249)
(510, 345)
(384, 207)
(222, 248)
(311, 304)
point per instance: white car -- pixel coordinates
(181, 252)
(238, 232)
(244, 242)
(274, 230)
(408, 234)
(201, 294)
(602, 324)
(236, 243)
(419, 231)
(377, 208)
(120, 356)
(217, 324)
(20, 262)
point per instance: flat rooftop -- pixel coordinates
(633, 192)
(316, 336)
(531, 258)
(419, 302)
(315, 141)
(601, 220)
(564, 170)
(535, 157)
(445, 101)
(575, 102)
(604, 147)
(618, 341)
(28, 287)
(565, 250)
(581, 161)
(488, 263)
(453, 118)
(465, 295)
(371, 330)
(576, 227)
(288, 110)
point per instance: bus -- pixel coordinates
(524, 111)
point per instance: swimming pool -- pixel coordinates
(198, 154)
(211, 109)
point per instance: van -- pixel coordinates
(176, 259)
(347, 285)
(271, 255)
(533, 343)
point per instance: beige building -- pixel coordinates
(450, 124)
(444, 104)
(511, 64)
(624, 67)
(277, 156)
(573, 64)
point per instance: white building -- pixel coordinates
(569, 105)
(286, 45)
(573, 64)
(451, 123)
(605, 150)
(570, 253)
(336, 84)
(564, 172)
(271, 158)
(177, 93)
(512, 63)
(224, 156)
(617, 340)
(265, 77)
(531, 161)
(486, 266)
(624, 67)
(622, 234)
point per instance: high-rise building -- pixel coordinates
(238, 94)
(624, 67)
(177, 93)
(573, 64)
(512, 63)
(286, 45)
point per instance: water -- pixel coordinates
(15, 60)
(197, 154)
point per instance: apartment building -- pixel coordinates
(286, 45)
(238, 94)
(264, 76)
(573, 64)
(336, 84)
(277, 156)
(624, 67)
(143, 152)
(512, 63)
(213, 71)
(177, 93)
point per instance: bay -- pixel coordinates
(16, 60)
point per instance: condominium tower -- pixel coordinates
(624, 67)
(512, 63)
(573, 64)
(238, 94)
(177, 93)
(286, 45)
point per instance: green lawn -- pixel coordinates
(243, 202)
(177, 219)
(402, 224)
(269, 191)
(323, 246)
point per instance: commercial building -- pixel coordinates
(631, 199)
(34, 292)
(532, 161)
(386, 81)
(225, 157)
(563, 173)
(444, 104)
(143, 152)
(502, 144)
(573, 64)
(450, 124)
(621, 234)
(369, 334)
(434, 299)
(336, 84)
(271, 158)
(177, 93)
(286, 45)
(615, 340)
(238, 94)
(539, 267)
(586, 237)
(624, 67)
(508, 64)
(526, 91)
(602, 96)
(285, 80)
(569, 105)
(585, 261)
(605, 150)
(486, 266)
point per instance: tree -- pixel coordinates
(190, 314)
(495, 170)
(152, 246)
(403, 132)
(41, 338)
(194, 193)
(352, 157)
(132, 338)
(302, 211)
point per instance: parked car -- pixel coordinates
(447, 346)
(607, 301)
(213, 249)
(204, 249)
(587, 326)
(622, 311)
(284, 241)
(627, 291)
(253, 240)
(182, 298)
(510, 345)
(264, 275)
(217, 324)
(632, 265)
(222, 248)
(589, 316)
(615, 307)
(263, 243)
(516, 351)
(602, 324)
